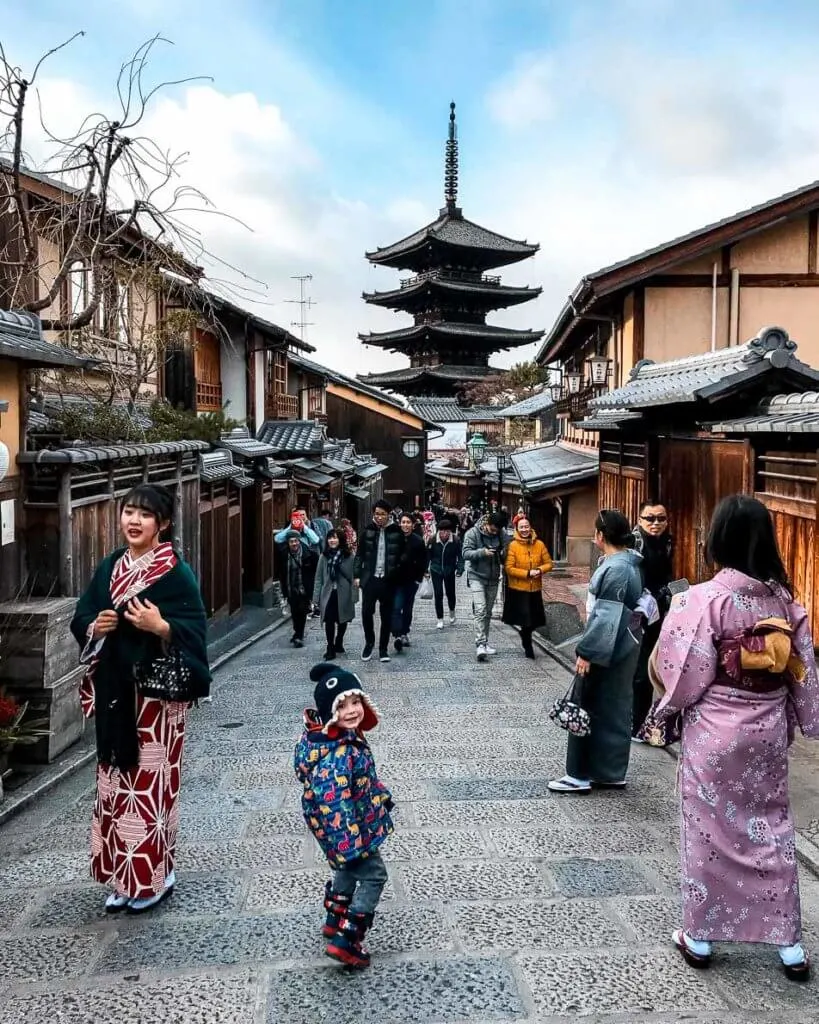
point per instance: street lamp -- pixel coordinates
(504, 466)
(556, 391)
(476, 446)
(574, 378)
(599, 369)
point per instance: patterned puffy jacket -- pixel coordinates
(345, 805)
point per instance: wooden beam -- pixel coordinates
(639, 335)
(813, 236)
(725, 260)
(809, 280)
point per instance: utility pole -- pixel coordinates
(304, 303)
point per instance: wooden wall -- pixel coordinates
(379, 435)
(624, 472)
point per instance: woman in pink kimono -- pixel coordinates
(735, 658)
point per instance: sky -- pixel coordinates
(596, 128)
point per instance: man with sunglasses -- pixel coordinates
(653, 541)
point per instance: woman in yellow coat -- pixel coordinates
(526, 561)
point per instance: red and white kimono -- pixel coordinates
(136, 811)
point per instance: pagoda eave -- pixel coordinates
(453, 336)
(436, 251)
(486, 296)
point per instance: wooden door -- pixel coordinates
(694, 476)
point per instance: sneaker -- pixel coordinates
(481, 652)
(440, 624)
(405, 640)
(567, 785)
(384, 656)
(367, 653)
(298, 642)
(398, 644)
(452, 619)
(489, 650)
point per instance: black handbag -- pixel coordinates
(167, 677)
(568, 713)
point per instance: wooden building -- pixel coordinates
(22, 348)
(680, 433)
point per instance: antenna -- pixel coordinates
(304, 304)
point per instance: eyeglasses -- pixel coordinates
(654, 519)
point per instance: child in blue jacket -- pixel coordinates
(345, 806)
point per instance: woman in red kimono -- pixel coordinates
(142, 600)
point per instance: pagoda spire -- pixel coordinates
(451, 164)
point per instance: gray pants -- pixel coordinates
(483, 596)
(369, 874)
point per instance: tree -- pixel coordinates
(90, 237)
(521, 381)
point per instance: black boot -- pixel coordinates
(329, 654)
(336, 906)
(341, 629)
(526, 641)
(345, 946)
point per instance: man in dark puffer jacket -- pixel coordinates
(380, 545)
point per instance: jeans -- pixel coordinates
(403, 607)
(299, 607)
(439, 585)
(381, 593)
(363, 879)
(483, 601)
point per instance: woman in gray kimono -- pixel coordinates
(606, 659)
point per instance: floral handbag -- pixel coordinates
(659, 733)
(167, 677)
(568, 713)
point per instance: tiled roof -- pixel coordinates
(241, 443)
(529, 406)
(21, 338)
(111, 452)
(686, 380)
(608, 419)
(292, 436)
(499, 337)
(365, 470)
(496, 296)
(782, 414)
(448, 410)
(456, 230)
(553, 465)
(272, 470)
(218, 465)
(361, 493)
(443, 372)
(343, 379)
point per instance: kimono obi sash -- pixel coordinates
(760, 659)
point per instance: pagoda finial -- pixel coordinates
(451, 163)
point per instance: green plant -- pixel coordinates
(170, 424)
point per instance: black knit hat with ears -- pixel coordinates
(333, 684)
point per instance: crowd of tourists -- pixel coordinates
(725, 667)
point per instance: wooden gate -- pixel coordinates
(623, 475)
(220, 513)
(694, 475)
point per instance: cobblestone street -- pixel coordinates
(505, 903)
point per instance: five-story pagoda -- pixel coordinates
(448, 296)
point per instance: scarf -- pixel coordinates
(118, 579)
(334, 559)
(295, 582)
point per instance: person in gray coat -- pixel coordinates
(335, 593)
(482, 551)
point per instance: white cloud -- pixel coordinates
(525, 96)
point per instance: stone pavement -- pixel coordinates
(505, 903)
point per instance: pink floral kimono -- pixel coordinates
(738, 849)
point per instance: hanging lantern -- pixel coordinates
(476, 446)
(599, 369)
(5, 460)
(574, 378)
(556, 391)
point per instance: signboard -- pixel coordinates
(6, 522)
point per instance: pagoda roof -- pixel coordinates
(494, 337)
(446, 372)
(452, 229)
(486, 293)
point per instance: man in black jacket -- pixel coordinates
(380, 545)
(411, 568)
(653, 541)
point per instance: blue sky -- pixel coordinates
(596, 127)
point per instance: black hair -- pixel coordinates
(381, 503)
(497, 519)
(153, 498)
(407, 515)
(650, 503)
(614, 526)
(343, 546)
(742, 537)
